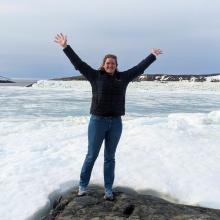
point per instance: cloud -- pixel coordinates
(188, 32)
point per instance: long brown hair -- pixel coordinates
(106, 57)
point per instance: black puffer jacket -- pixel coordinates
(108, 91)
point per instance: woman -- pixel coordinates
(108, 105)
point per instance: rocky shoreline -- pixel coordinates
(189, 77)
(128, 204)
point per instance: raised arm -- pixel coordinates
(142, 66)
(88, 72)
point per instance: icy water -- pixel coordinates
(170, 142)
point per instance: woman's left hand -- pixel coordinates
(156, 51)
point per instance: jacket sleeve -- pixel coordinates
(88, 72)
(139, 69)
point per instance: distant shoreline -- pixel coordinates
(215, 77)
(22, 82)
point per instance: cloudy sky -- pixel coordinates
(188, 31)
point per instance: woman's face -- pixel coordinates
(110, 65)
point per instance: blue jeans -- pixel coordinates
(102, 128)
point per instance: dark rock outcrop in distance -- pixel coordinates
(128, 204)
(175, 77)
(80, 77)
(5, 80)
(29, 85)
(158, 77)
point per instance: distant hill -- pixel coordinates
(80, 77)
(5, 80)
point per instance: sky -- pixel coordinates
(186, 30)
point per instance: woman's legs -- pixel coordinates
(96, 135)
(112, 138)
(100, 128)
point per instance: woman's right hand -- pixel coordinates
(61, 40)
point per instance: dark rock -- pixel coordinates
(29, 85)
(214, 80)
(128, 204)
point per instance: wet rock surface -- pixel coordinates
(128, 204)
